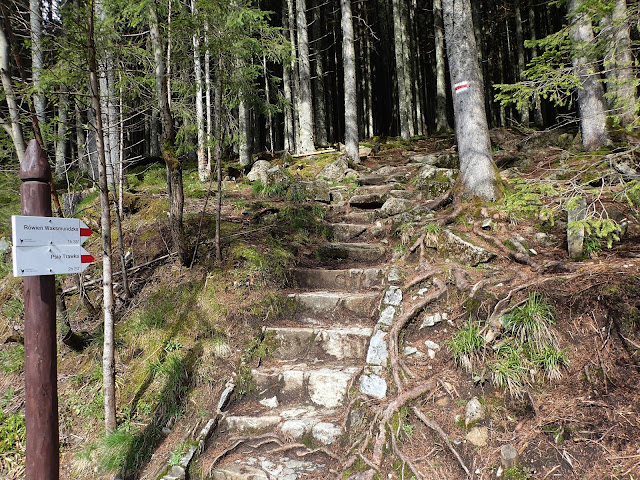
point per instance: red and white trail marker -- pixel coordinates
(461, 87)
(48, 246)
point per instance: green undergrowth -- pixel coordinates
(526, 352)
(12, 436)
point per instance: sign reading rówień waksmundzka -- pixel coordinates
(47, 245)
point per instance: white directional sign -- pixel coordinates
(48, 246)
(49, 260)
(36, 231)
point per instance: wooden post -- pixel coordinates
(40, 373)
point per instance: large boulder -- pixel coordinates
(317, 190)
(394, 206)
(335, 171)
(278, 176)
(452, 245)
(259, 171)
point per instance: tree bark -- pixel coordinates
(591, 104)
(442, 123)
(217, 155)
(304, 72)
(478, 173)
(14, 127)
(244, 133)
(174, 167)
(350, 93)
(37, 59)
(61, 141)
(537, 104)
(289, 132)
(108, 354)
(524, 111)
(404, 99)
(319, 104)
(204, 169)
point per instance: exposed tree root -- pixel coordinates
(516, 256)
(404, 458)
(436, 428)
(402, 322)
(440, 201)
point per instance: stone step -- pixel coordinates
(351, 279)
(370, 196)
(347, 232)
(303, 384)
(265, 466)
(359, 252)
(320, 344)
(331, 304)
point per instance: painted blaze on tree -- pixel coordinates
(478, 173)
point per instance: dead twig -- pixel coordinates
(441, 433)
(403, 458)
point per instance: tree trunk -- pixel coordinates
(174, 167)
(478, 173)
(524, 111)
(442, 123)
(537, 104)
(320, 108)
(204, 169)
(293, 70)
(108, 354)
(404, 98)
(37, 59)
(267, 97)
(217, 155)
(304, 72)
(15, 127)
(289, 132)
(244, 133)
(61, 143)
(207, 86)
(619, 63)
(350, 94)
(81, 142)
(591, 104)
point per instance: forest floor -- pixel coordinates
(187, 332)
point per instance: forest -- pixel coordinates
(238, 158)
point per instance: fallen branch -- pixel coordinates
(436, 428)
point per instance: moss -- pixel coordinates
(516, 473)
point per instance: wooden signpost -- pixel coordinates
(42, 246)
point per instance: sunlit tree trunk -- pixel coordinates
(442, 124)
(304, 72)
(478, 173)
(350, 93)
(108, 354)
(319, 97)
(14, 126)
(204, 169)
(404, 96)
(61, 141)
(37, 58)
(591, 104)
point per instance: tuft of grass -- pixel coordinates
(530, 322)
(270, 190)
(467, 346)
(509, 370)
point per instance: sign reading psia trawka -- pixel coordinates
(47, 246)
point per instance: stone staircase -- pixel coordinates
(345, 303)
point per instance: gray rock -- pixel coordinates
(395, 275)
(278, 176)
(271, 402)
(326, 432)
(299, 427)
(394, 206)
(335, 170)
(251, 424)
(362, 252)
(393, 296)
(237, 471)
(364, 151)
(575, 232)
(328, 387)
(373, 385)
(343, 232)
(259, 171)
(386, 317)
(406, 351)
(462, 251)
(474, 412)
(428, 159)
(478, 436)
(317, 190)
(431, 345)
(378, 354)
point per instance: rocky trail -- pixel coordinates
(358, 380)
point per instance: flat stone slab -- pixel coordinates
(294, 343)
(343, 232)
(361, 252)
(238, 471)
(329, 303)
(243, 423)
(299, 384)
(348, 279)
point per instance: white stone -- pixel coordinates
(378, 353)
(393, 296)
(373, 385)
(328, 387)
(326, 432)
(394, 274)
(431, 353)
(237, 471)
(432, 345)
(246, 423)
(474, 412)
(386, 317)
(270, 402)
(293, 380)
(409, 351)
(422, 291)
(298, 428)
